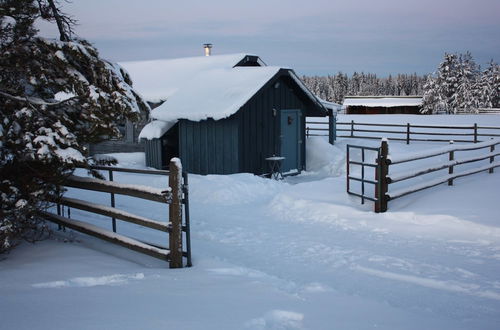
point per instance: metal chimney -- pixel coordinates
(208, 49)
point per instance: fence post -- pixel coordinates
(352, 128)
(450, 169)
(407, 133)
(381, 172)
(331, 127)
(475, 132)
(347, 168)
(492, 158)
(113, 220)
(175, 213)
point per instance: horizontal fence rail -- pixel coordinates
(176, 195)
(385, 161)
(404, 132)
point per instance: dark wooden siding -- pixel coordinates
(153, 151)
(209, 146)
(362, 110)
(259, 129)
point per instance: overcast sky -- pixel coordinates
(311, 36)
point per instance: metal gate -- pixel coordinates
(380, 170)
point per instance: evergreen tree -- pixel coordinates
(56, 96)
(488, 90)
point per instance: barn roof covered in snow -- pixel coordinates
(199, 88)
(156, 80)
(383, 101)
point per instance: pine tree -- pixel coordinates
(56, 96)
(488, 89)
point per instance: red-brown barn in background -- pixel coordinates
(368, 105)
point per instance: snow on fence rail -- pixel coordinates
(385, 161)
(175, 195)
(404, 132)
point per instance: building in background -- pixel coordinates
(367, 105)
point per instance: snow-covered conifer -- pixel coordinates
(56, 96)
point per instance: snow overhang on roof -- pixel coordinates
(335, 107)
(156, 129)
(387, 102)
(156, 80)
(215, 94)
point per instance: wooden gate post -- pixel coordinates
(175, 214)
(381, 172)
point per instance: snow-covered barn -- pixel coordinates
(382, 104)
(224, 114)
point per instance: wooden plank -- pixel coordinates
(412, 174)
(442, 133)
(379, 131)
(128, 170)
(143, 192)
(444, 179)
(108, 236)
(370, 124)
(113, 212)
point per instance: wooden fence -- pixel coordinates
(385, 163)
(175, 195)
(404, 132)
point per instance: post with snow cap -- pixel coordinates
(175, 213)
(451, 158)
(381, 172)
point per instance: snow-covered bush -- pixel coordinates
(56, 96)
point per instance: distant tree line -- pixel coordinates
(334, 88)
(458, 85)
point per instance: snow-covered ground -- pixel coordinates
(292, 254)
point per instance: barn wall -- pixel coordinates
(209, 146)
(259, 129)
(362, 110)
(153, 151)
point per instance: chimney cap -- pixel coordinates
(208, 49)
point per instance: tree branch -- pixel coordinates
(35, 100)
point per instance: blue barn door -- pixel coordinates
(290, 140)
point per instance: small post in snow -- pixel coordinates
(175, 214)
(492, 158)
(407, 133)
(381, 172)
(475, 132)
(450, 169)
(113, 220)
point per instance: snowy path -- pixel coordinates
(298, 254)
